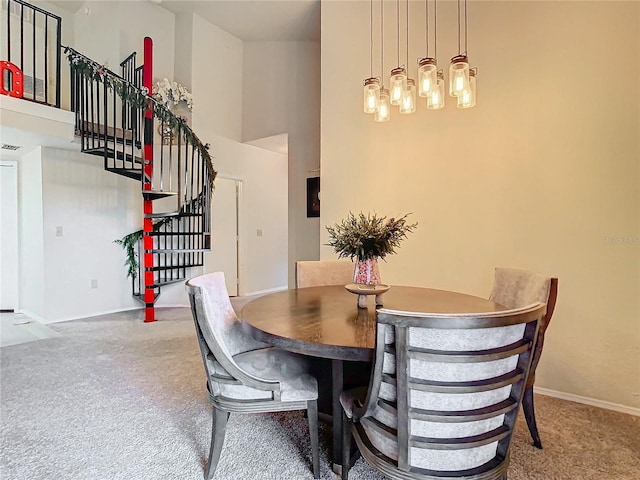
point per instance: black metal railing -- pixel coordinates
(33, 38)
(133, 75)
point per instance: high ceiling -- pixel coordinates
(248, 20)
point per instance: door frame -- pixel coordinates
(239, 182)
(15, 297)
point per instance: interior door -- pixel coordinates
(8, 235)
(223, 256)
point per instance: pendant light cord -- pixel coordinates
(426, 25)
(398, 29)
(465, 27)
(381, 43)
(371, 38)
(459, 52)
(407, 20)
(435, 29)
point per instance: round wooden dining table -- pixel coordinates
(326, 322)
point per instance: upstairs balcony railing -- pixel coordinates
(31, 40)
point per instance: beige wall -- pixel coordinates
(281, 94)
(543, 174)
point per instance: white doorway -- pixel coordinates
(225, 235)
(8, 235)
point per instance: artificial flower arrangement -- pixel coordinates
(172, 93)
(367, 237)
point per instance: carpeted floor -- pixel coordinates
(114, 398)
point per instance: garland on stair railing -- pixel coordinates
(129, 241)
(140, 98)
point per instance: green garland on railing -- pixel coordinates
(129, 241)
(140, 98)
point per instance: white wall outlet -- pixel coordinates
(94, 283)
(259, 232)
(58, 231)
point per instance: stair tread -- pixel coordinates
(172, 214)
(178, 250)
(174, 267)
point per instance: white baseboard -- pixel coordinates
(588, 401)
(79, 317)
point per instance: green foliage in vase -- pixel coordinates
(367, 236)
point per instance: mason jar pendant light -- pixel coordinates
(458, 75)
(371, 95)
(435, 100)
(459, 68)
(398, 84)
(427, 76)
(383, 114)
(467, 98)
(428, 66)
(371, 84)
(398, 80)
(408, 104)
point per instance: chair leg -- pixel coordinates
(346, 446)
(530, 416)
(312, 414)
(218, 427)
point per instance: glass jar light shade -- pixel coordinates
(435, 100)
(398, 85)
(458, 75)
(383, 113)
(408, 104)
(467, 98)
(427, 78)
(371, 95)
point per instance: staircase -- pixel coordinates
(139, 138)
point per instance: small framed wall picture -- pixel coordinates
(313, 197)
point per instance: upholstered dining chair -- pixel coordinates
(444, 394)
(318, 273)
(244, 375)
(514, 288)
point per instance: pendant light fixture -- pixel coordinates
(384, 107)
(398, 80)
(408, 104)
(384, 111)
(371, 84)
(467, 98)
(459, 68)
(430, 84)
(435, 100)
(428, 66)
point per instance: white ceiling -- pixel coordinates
(248, 20)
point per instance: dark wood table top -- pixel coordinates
(326, 321)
